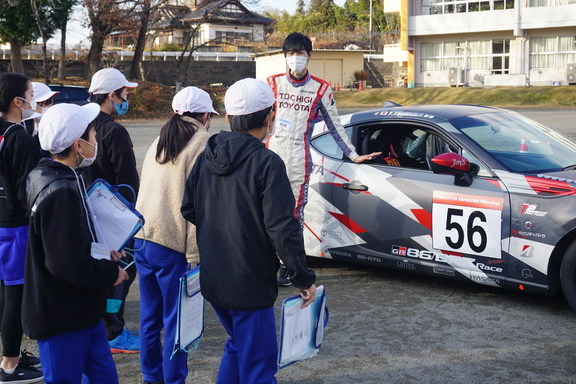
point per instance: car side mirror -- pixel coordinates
(453, 164)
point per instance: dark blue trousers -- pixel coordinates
(78, 357)
(160, 269)
(251, 352)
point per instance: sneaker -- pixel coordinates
(29, 360)
(283, 277)
(23, 375)
(126, 342)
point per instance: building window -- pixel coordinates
(439, 7)
(495, 56)
(552, 51)
(550, 3)
(232, 37)
(232, 8)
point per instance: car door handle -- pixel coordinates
(355, 187)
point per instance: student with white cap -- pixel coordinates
(65, 291)
(170, 241)
(239, 198)
(116, 164)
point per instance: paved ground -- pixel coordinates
(395, 327)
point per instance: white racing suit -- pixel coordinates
(298, 104)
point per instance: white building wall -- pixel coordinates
(519, 24)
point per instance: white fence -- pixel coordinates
(158, 55)
(197, 56)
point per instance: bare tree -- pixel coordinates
(105, 16)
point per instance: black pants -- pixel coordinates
(11, 311)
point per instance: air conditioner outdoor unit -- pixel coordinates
(454, 76)
(571, 73)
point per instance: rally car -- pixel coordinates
(464, 192)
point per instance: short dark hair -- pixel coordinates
(49, 101)
(102, 97)
(85, 136)
(297, 41)
(12, 85)
(245, 123)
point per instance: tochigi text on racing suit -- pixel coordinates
(298, 104)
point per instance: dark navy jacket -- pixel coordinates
(65, 287)
(239, 198)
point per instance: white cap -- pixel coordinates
(62, 124)
(42, 92)
(193, 100)
(109, 80)
(247, 96)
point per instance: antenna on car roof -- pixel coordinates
(387, 103)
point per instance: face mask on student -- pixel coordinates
(121, 108)
(297, 64)
(269, 133)
(28, 113)
(86, 162)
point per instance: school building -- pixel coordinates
(486, 43)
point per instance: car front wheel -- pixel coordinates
(568, 275)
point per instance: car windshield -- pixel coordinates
(518, 143)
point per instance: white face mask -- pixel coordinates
(297, 64)
(28, 113)
(86, 162)
(269, 133)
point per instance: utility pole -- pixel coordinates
(370, 27)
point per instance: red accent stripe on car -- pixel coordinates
(312, 232)
(424, 217)
(349, 223)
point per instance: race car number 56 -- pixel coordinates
(467, 224)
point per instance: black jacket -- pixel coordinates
(65, 286)
(239, 198)
(19, 155)
(115, 161)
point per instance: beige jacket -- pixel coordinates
(160, 197)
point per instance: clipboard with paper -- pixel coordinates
(190, 320)
(302, 329)
(115, 219)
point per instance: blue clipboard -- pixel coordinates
(116, 220)
(190, 320)
(302, 330)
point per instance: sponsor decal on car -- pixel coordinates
(526, 235)
(369, 258)
(404, 114)
(527, 251)
(405, 265)
(442, 271)
(489, 268)
(340, 253)
(483, 279)
(531, 209)
(419, 254)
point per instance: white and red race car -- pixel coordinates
(464, 192)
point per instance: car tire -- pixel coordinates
(568, 275)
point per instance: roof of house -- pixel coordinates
(215, 8)
(170, 16)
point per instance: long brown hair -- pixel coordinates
(174, 136)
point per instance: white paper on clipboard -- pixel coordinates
(301, 329)
(115, 222)
(190, 323)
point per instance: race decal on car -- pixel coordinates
(467, 224)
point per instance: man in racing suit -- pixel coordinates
(300, 98)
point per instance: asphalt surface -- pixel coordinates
(396, 327)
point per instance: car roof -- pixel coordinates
(436, 113)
